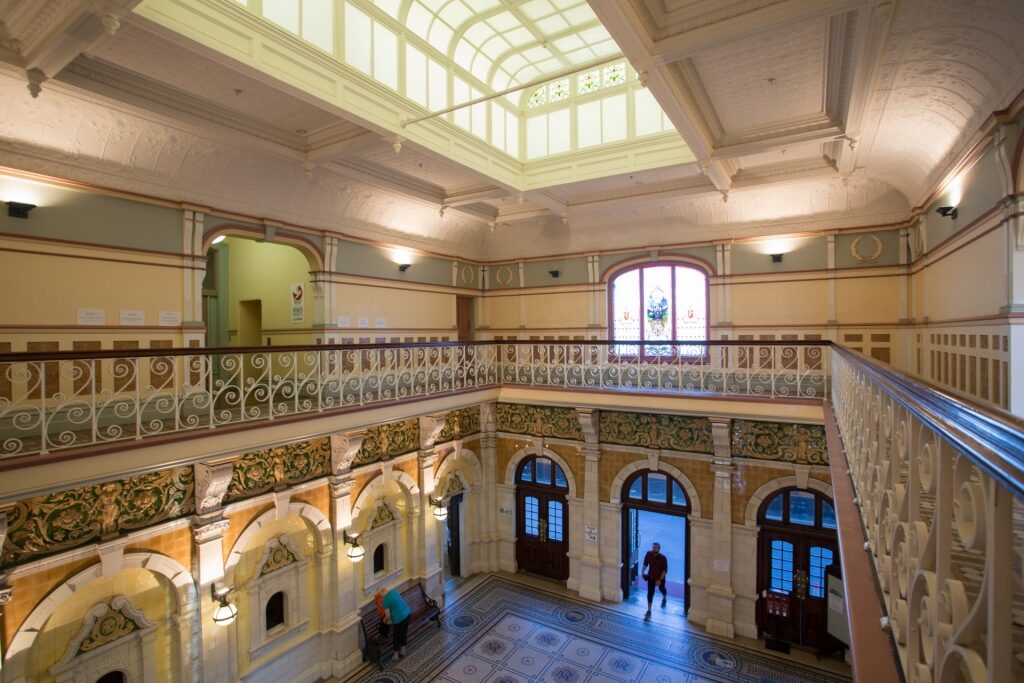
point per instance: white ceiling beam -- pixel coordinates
(473, 196)
(340, 148)
(686, 44)
(543, 199)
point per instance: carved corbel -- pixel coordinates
(211, 483)
(344, 448)
(721, 437)
(430, 429)
(589, 423)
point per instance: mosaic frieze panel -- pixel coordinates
(257, 472)
(460, 423)
(389, 440)
(60, 521)
(669, 432)
(804, 444)
(560, 423)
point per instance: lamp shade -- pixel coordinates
(440, 513)
(355, 553)
(225, 613)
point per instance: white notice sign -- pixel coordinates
(363, 322)
(92, 316)
(298, 291)
(591, 532)
(132, 317)
(170, 318)
(344, 321)
(380, 322)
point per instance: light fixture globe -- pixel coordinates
(225, 612)
(356, 553)
(440, 513)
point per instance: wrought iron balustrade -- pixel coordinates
(57, 401)
(939, 485)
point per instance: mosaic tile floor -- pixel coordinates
(503, 631)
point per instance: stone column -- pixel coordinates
(488, 501)
(192, 277)
(346, 617)
(590, 561)
(208, 527)
(430, 563)
(720, 591)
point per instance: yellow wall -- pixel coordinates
(403, 309)
(257, 270)
(779, 303)
(868, 300)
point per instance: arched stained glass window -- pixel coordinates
(660, 302)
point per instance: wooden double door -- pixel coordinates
(792, 569)
(542, 525)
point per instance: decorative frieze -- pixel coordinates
(257, 472)
(540, 421)
(665, 432)
(458, 424)
(795, 443)
(55, 522)
(388, 441)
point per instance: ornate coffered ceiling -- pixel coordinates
(801, 114)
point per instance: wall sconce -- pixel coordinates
(440, 511)
(19, 209)
(554, 273)
(776, 258)
(947, 212)
(218, 239)
(355, 552)
(226, 611)
(402, 267)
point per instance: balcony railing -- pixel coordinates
(52, 402)
(939, 484)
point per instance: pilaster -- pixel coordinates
(489, 537)
(590, 560)
(720, 590)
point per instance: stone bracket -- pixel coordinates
(211, 484)
(344, 448)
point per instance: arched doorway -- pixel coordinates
(660, 499)
(797, 541)
(542, 518)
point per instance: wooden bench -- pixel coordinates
(424, 610)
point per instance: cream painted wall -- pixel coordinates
(257, 270)
(145, 592)
(46, 289)
(969, 282)
(555, 310)
(780, 303)
(402, 309)
(868, 300)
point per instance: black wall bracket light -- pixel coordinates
(947, 212)
(19, 209)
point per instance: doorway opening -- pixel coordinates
(453, 542)
(542, 518)
(464, 317)
(655, 509)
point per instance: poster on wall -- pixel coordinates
(298, 302)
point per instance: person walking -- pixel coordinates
(396, 613)
(654, 570)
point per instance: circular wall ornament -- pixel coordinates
(467, 275)
(861, 258)
(503, 276)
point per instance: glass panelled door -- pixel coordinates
(542, 545)
(631, 550)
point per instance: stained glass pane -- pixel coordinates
(820, 558)
(588, 82)
(828, 515)
(626, 309)
(636, 491)
(657, 308)
(774, 511)
(555, 522)
(559, 90)
(781, 567)
(801, 508)
(538, 98)
(657, 488)
(543, 471)
(691, 309)
(531, 516)
(614, 75)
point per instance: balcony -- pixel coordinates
(928, 487)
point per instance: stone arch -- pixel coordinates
(535, 449)
(308, 249)
(311, 515)
(184, 591)
(767, 489)
(375, 490)
(464, 456)
(615, 493)
(674, 260)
